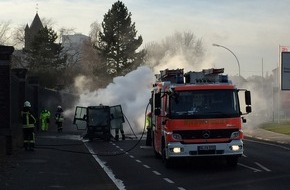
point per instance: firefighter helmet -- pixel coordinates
(59, 109)
(27, 104)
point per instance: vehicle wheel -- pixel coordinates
(166, 161)
(157, 155)
(107, 136)
(232, 161)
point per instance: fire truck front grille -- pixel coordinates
(206, 134)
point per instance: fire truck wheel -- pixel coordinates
(157, 155)
(232, 161)
(167, 161)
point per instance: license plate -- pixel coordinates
(207, 147)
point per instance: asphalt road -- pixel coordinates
(263, 166)
(64, 161)
(59, 161)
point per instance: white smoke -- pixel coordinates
(179, 61)
(81, 82)
(131, 91)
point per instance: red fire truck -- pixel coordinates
(197, 114)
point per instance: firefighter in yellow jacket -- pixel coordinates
(44, 119)
(149, 129)
(28, 125)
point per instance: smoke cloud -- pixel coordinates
(131, 91)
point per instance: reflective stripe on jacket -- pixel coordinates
(59, 117)
(28, 120)
(148, 122)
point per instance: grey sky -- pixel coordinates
(252, 29)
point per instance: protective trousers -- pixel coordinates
(117, 133)
(149, 137)
(44, 124)
(59, 126)
(28, 138)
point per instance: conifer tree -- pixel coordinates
(45, 53)
(117, 42)
(44, 58)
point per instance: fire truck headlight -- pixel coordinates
(176, 150)
(235, 135)
(176, 136)
(236, 147)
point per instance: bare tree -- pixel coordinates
(95, 29)
(186, 44)
(5, 32)
(18, 36)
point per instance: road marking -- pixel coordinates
(251, 168)
(168, 180)
(131, 156)
(138, 161)
(263, 167)
(156, 172)
(146, 166)
(119, 183)
(244, 155)
(181, 188)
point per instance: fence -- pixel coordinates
(15, 89)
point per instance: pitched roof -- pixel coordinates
(36, 23)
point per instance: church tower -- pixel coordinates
(31, 31)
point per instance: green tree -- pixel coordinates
(117, 43)
(45, 58)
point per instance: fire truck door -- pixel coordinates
(117, 117)
(80, 118)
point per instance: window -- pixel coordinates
(205, 104)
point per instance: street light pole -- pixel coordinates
(217, 45)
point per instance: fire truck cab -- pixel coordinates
(197, 114)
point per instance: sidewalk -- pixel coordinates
(59, 161)
(265, 135)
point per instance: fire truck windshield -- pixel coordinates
(204, 104)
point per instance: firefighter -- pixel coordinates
(149, 129)
(44, 119)
(59, 118)
(120, 128)
(28, 125)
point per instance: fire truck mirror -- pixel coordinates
(248, 109)
(157, 100)
(248, 97)
(157, 111)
